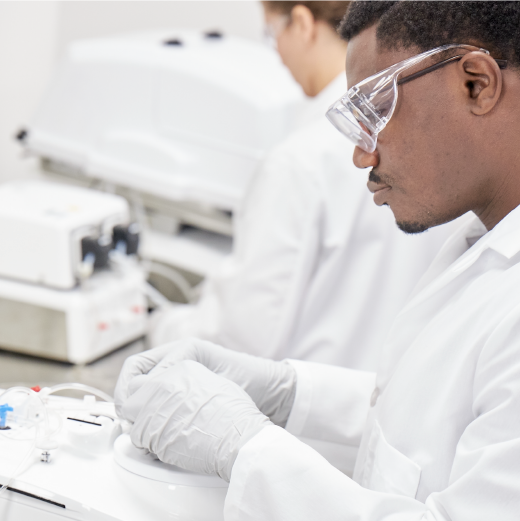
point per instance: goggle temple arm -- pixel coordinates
(502, 64)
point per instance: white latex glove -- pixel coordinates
(192, 418)
(270, 384)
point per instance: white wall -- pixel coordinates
(28, 33)
(33, 35)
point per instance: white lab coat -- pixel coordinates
(442, 437)
(318, 271)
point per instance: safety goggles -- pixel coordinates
(364, 111)
(274, 28)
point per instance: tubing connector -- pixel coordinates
(4, 409)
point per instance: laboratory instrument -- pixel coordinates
(66, 458)
(71, 288)
(176, 121)
(55, 235)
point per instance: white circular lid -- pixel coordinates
(133, 460)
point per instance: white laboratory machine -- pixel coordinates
(72, 461)
(62, 295)
(176, 121)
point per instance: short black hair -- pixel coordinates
(494, 26)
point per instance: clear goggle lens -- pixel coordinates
(344, 120)
(363, 112)
(362, 116)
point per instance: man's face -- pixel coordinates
(420, 167)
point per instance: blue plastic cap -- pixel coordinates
(4, 409)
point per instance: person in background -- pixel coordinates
(318, 272)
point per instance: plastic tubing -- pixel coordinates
(171, 274)
(40, 396)
(155, 296)
(30, 392)
(77, 387)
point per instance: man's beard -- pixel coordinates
(413, 227)
(410, 228)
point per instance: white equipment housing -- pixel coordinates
(180, 115)
(78, 325)
(89, 478)
(42, 225)
(44, 311)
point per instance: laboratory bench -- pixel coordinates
(29, 371)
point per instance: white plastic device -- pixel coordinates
(78, 325)
(89, 478)
(181, 115)
(42, 226)
(53, 301)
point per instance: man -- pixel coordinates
(318, 272)
(438, 428)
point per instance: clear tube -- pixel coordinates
(36, 424)
(78, 387)
(155, 296)
(17, 470)
(171, 274)
(174, 276)
(30, 423)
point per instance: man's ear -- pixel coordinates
(303, 21)
(483, 81)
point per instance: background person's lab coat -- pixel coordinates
(442, 440)
(318, 270)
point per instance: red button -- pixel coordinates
(36, 388)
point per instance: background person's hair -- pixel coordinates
(330, 12)
(494, 26)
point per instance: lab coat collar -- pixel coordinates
(505, 236)
(464, 248)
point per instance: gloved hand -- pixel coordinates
(192, 418)
(270, 384)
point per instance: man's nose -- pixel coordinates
(364, 159)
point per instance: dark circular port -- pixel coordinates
(213, 35)
(22, 134)
(173, 42)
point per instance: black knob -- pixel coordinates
(173, 42)
(99, 247)
(216, 35)
(126, 238)
(22, 134)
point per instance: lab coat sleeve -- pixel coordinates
(330, 410)
(258, 289)
(276, 477)
(331, 403)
